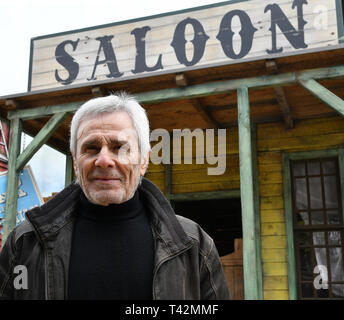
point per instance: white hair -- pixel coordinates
(110, 104)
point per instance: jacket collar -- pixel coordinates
(61, 210)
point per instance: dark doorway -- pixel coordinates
(220, 218)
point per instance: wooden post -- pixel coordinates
(251, 258)
(12, 179)
(324, 94)
(69, 169)
(41, 138)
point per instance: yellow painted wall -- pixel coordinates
(194, 177)
(273, 139)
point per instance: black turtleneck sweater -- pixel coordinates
(112, 252)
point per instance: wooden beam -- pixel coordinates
(206, 116)
(41, 112)
(98, 92)
(11, 104)
(12, 179)
(43, 136)
(324, 94)
(69, 170)
(196, 91)
(280, 95)
(222, 87)
(251, 238)
(195, 196)
(181, 80)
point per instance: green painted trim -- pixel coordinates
(251, 276)
(340, 20)
(161, 15)
(222, 87)
(324, 94)
(43, 136)
(30, 66)
(39, 112)
(288, 213)
(12, 179)
(341, 176)
(194, 91)
(69, 170)
(292, 279)
(211, 195)
(257, 210)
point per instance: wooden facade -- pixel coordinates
(273, 110)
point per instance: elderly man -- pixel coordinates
(111, 234)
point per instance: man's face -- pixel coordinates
(107, 160)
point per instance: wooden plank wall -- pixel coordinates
(273, 139)
(194, 177)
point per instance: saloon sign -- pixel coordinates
(224, 33)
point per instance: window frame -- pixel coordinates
(288, 204)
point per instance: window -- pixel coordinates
(317, 217)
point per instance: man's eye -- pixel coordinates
(91, 149)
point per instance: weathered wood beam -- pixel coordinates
(196, 91)
(12, 179)
(181, 80)
(41, 112)
(206, 116)
(98, 92)
(11, 104)
(324, 94)
(280, 95)
(195, 196)
(69, 170)
(252, 276)
(43, 136)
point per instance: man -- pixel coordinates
(112, 234)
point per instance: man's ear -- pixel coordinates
(144, 165)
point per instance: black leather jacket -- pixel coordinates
(186, 266)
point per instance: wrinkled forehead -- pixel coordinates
(118, 125)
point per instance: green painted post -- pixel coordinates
(324, 94)
(41, 138)
(250, 237)
(292, 287)
(257, 211)
(69, 170)
(12, 179)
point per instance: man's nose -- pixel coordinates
(104, 159)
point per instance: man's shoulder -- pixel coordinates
(195, 231)
(22, 228)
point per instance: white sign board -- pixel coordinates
(225, 33)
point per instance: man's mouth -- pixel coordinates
(106, 179)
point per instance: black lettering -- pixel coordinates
(226, 34)
(110, 58)
(295, 37)
(140, 62)
(199, 41)
(67, 61)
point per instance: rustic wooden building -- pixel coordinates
(272, 75)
